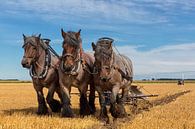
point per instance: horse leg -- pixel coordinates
(92, 98)
(114, 108)
(54, 104)
(42, 108)
(122, 101)
(84, 105)
(66, 109)
(103, 111)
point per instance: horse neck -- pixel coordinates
(81, 49)
(113, 57)
(39, 64)
(54, 60)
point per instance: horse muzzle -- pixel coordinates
(105, 78)
(25, 63)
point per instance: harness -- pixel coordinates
(47, 63)
(113, 67)
(48, 50)
(77, 60)
(75, 69)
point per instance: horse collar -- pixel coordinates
(74, 71)
(47, 63)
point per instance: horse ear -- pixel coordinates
(63, 33)
(93, 46)
(24, 37)
(39, 36)
(78, 34)
(110, 44)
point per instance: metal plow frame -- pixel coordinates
(135, 94)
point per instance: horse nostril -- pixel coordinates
(104, 79)
(23, 65)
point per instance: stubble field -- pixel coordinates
(18, 105)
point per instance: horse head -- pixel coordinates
(31, 50)
(103, 57)
(71, 49)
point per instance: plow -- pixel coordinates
(135, 99)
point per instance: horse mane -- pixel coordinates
(34, 35)
(105, 51)
(72, 40)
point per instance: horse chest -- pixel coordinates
(108, 85)
(69, 80)
(48, 80)
(104, 85)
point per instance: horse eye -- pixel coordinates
(34, 48)
(107, 68)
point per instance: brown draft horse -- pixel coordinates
(41, 59)
(113, 72)
(74, 70)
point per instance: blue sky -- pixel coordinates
(158, 35)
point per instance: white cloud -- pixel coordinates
(92, 13)
(173, 58)
(168, 5)
(123, 11)
(127, 11)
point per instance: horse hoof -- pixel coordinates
(85, 113)
(67, 112)
(68, 115)
(92, 110)
(55, 106)
(104, 119)
(42, 111)
(117, 111)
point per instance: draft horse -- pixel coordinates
(41, 60)
(113, 72)
(75, 70)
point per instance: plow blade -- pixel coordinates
(135, 91)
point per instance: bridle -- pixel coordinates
(35, 58)
(111, 67)
(77, 61)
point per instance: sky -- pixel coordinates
(157, 35)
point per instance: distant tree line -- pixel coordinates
(9, 80)
(174, 79)
(167, 79)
